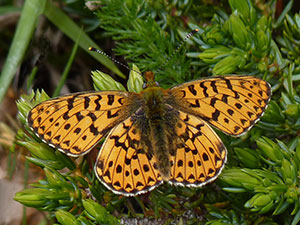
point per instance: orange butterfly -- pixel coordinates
(156, 135)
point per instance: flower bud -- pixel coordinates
(228, 64)
(104, 82)
(135, 81)
(270, 149)
(35, 197)
(239, 32)
(66, 218)
(39, 150)
(248, 157)
(241, 6)
(239, 178)
(213, 55)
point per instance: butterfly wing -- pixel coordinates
(75, 123)
(122, 164)
(200, 155)
(233, 104)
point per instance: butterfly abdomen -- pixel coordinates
(160, 121)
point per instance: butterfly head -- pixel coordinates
(149, 80)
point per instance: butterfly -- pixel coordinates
(155, 136)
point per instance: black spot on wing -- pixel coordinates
(205, 157)
(192, 89)
(66, 116)
(111, 99)
(67, 126)
(79, 116)
(225, 98)
(77, 130)
(111, 115)
(213, 101)
(204, 89)
(214, 87)
(228, 83)
(238, 105)
(70, 102)
(86, 102)
(215, 115)
(230, 112)
(94, 130)
(92, 116)
(196, 104)
(98, 106)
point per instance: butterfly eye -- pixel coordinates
(156, 83)
(144, 85)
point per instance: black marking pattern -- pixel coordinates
(222, 101)
(192, 90)
(73, 123)
(241, 100)
(135, 171)
(196, 162)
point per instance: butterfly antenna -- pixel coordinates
(188, 36)
(112, 59)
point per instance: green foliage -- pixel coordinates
(239, 43)
(291, 38)
(103, 82)
(260, 183)
(31, 11)
(220, 217)
(275, 184)
(142, 33)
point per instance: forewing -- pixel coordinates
(75, 123)
(200, 155)
(122, 164)
(232, 104)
